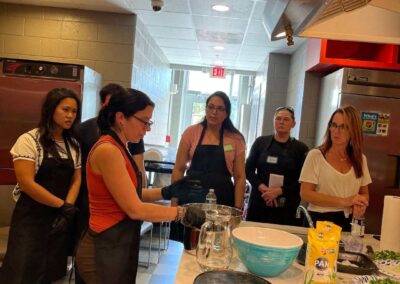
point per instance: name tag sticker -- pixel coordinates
(228, 147)
(272, 160)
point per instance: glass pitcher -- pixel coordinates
(214, 248)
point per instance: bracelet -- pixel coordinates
(180, 213)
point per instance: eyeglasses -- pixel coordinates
(147, 124)
(213, 107)
(289, 109)
(339, 127)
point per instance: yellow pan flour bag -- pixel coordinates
(322, 253)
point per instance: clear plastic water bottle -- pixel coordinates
(358, 227)
(211, 199)
(355, 240)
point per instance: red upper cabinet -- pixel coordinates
(327, 55)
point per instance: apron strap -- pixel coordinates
(135, 167)
(203, 132)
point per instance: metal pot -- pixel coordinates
(191, 235)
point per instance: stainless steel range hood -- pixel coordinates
(353, 20)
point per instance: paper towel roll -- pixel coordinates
(390, 230)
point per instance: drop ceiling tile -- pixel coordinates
(219, 24)
(253, 50)
(248, 65)
(165, 42)
(256, 26)
(259, 39)
(175, 6)
(213, 62)
(228, 48)
(169, 51)
(259, 10)
(175, 33)
(252, 57)
(185, 60)
(225, 56)
(177, 20)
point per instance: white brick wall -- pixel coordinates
(102, 41)
(152, 75)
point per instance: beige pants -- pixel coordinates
(85, 261)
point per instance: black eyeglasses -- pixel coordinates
(339, 127)
(148, 124)
(289, 109)
(216, 108)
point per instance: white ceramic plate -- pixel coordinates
(389, 267)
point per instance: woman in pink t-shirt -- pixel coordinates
(215, 150)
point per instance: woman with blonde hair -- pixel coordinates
(335, 177)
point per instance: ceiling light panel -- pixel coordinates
(218, 37)
(220, 8)
(238, 8)
(175, 33)
(219, 47)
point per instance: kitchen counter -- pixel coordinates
(189, 269)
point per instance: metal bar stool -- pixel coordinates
(154, 167)
(147, 227)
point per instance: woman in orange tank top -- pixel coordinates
(108, 252)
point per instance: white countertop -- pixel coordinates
(189, 269)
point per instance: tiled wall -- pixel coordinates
(295, 88)
(302, 94)
(102, 41)
(277, 86)
(152, 75)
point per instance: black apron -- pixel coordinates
(209, 164)
(117, 248)
(33, 255)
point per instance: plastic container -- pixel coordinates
(211, 198)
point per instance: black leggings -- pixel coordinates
(335, 217)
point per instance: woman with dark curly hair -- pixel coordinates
(109, 251)
(47, 165)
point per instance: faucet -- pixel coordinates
(305, 212)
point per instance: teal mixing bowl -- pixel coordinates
(266, 252)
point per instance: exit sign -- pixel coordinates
(217, 72)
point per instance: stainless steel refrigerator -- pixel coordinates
(23, 86)
(376, 94)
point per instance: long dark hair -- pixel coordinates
(352, 120)
(46, 123)
(227, 123)
(128, 102)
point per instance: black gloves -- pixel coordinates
(64, 218)
(194, 217)
(187, 190)
(175, 189)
